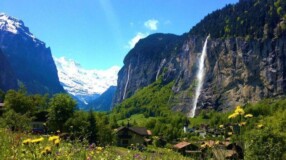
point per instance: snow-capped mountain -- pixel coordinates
(25, 59)
(85, 85)
(13, 25)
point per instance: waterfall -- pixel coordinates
(160, 67)
(200, 78)
(126, 84)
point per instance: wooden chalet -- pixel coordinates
(128, 136)
(186, 147)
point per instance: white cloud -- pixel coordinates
(151, 24)
(136, 38)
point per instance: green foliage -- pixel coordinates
(61, 108)
(247, 17)
(19, 101)
(92, 129)
(77, 124)
(16, 121)
(150, 107)
(264, 144)
(151, 101)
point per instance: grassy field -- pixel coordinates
(25, 146)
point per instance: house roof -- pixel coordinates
(181, 145)
(209, 143)
(138, 130)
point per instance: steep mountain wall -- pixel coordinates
(29, 58)
(237, 71)
(245, 58)
(7, 76)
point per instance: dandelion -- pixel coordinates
(248, 116)
(239, 110)
(57, 142)
(235, 114)
(47, 150)
(221, 126)
(53, 138)
(38, 140)
(27, 141)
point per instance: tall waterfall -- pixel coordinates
(127, 81)
(200, 78)
(160, 67)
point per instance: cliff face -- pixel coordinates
(7, 76)
(29, 58)
(145, 62)
(237, 71)
(245, 58)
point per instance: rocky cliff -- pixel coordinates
(7, 76)
(239, 68)
(29, 58)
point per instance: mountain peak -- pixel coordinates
(81, 82)
(13, 25)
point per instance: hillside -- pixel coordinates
(248, 19)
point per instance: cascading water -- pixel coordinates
(126, 84)
(160, 67)
(200, 78)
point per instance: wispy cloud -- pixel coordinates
(151, 24)
(136, 38)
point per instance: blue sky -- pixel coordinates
(99, 33)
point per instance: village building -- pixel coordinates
(39, 123)
(186, 148)
(128, 136)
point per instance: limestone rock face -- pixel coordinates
(237, 71)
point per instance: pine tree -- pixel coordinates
(92, 129)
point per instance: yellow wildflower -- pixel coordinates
(57, 141)
(38, 140)
(47, 150)
(229, 133)
(52, 138)
(27, 141)
(216, 142)
(239, 110)
(248, 116)
(99, 148)
(235, 114)
(221, 126)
